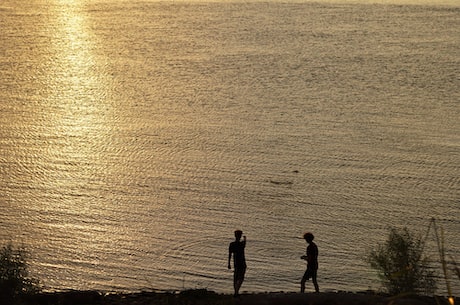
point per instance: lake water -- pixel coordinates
(136, 136)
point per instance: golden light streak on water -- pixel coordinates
(74, 119)
(74, 61)
(75, 107)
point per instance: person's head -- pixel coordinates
(238, 234)
(308, 237)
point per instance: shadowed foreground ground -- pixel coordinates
(204, 297)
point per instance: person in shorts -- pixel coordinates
(312, 263)
(236, 249)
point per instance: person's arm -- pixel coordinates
(229, 257)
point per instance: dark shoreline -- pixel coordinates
(205, 297)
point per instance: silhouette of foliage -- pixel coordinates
(401, 265)
(14, 274)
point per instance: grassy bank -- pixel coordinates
(205, 297)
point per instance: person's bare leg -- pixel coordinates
(238, 286)
(302, 286)
(315, 283)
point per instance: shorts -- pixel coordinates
(309, 273)
(238, 274)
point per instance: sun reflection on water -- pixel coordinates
(74, 61)
(76, 108)
(76, 120)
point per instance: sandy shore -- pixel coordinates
(204, 297)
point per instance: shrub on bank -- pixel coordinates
(401, 265)
(14, 274)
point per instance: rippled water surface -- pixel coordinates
(135, 136)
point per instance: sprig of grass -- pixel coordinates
(440, 241)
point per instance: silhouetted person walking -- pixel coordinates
(239, 261)
(312, 263)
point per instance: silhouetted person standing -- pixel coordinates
(239, 261)
(312, 263)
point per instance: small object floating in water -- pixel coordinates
(281, 182)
